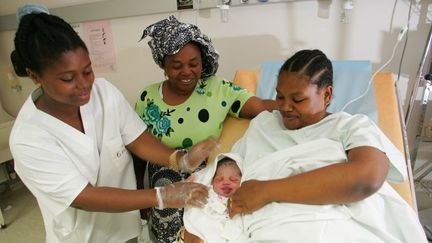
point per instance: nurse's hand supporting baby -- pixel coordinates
(198, 153)
(181, 194)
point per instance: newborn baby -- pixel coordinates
(225, 182)
(212, 223)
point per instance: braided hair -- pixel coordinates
(312, 63)
(40, 40)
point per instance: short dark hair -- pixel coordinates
(314, 64)
(228, 162)
(40, 40)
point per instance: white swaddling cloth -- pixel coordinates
(216, 206)
(272, 152)
(372, 219)
(212, 223)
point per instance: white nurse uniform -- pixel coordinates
(56, 161)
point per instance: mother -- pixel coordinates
(316, 176)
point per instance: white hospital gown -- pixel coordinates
(270, 151)
(56, 161)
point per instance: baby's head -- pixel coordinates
(227, 177)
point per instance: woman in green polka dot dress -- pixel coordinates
(188, 107)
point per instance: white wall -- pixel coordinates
(262, 32)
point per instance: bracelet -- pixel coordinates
(173, 163)
(159, 198)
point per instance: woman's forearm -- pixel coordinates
(321, 186)
(344, 182)
(147, 147)
(255, 105)
(108, 199)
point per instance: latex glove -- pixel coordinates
(201, 151)
(181, 194)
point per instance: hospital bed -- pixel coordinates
(385, 106)
(388, 119)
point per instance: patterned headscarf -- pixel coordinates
(170, 35)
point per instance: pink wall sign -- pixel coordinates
(99, 40)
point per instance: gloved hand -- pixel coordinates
(181, 194)
(191, 160)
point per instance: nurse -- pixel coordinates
(72, 137)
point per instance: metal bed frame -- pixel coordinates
(423, 82)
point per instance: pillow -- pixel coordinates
(350, 81)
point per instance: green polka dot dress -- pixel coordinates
(182, 126)
(200, 116)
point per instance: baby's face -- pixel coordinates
(226, 180)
